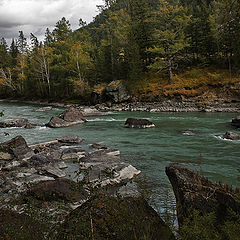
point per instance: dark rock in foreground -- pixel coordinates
(138, 123)
(105, 217)
(194, 192)
(59, 189)
(22, 122)
(236, 122)
(69, 117)
(231, 136)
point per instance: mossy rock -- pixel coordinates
(15, 226)
(104, 217)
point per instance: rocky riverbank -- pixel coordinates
(61, 186)
(169, 106)
(164, 106)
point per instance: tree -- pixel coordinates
(170, 21)
(21, 59)
(4, 56)
(202, 42)
(80, 64)
(62, 30)
(227, 19)
(13, 51)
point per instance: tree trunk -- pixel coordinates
(170, 70)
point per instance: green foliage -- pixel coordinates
(128, 40)
(206, 227)
(170, 21)
(199, 227)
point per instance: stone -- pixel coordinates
(194, 192)
(70, 139)
(116, 92)
(43, 109)
(16, 147)
(190, 132)
(98, 146)
(236, 122)
(6, 156)
(92, 112)
(41, 159)
(72, 115)
(14, 123)
(69, 117)
(135, 219)
(138, 123)
(29, 126)
(231, 136)
(53, 171)
(74, 157)
(59, 189)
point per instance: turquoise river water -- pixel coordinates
(149, 150)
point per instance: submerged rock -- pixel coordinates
(231, 136)
(190, 132)
(138, 123)
(194, 192)
(104, 217)
(43, 109)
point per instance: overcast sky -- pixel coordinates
(36, 15)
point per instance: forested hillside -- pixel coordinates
(157, 47)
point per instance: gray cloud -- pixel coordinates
(36, 15)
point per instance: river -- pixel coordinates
(149, 150)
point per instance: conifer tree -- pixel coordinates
(170, 22)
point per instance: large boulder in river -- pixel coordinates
(194, 192)
(72, 115)
(22, 122)
(231, 136)
(16, 147)
(138, 123)
(104, 217)
(69, 117)
(236, 121)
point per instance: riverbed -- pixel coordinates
(149, 150)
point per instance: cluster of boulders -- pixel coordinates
(61, 177)
(73, 116)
